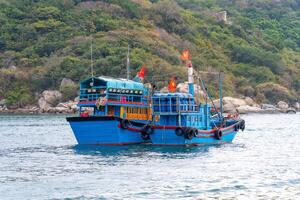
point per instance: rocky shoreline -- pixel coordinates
(49, 102)
(248, 105)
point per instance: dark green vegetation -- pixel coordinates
(258, 47)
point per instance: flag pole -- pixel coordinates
(128, 64)
(92, 67)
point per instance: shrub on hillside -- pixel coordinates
(246, 54)
(69, 92)
(18, 96)
(274, 92)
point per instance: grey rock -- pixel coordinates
(249, 101)
(282, 105)
(61, 110)
(297, 106)
(66, 82)
(229, 108)
(270, 111)
(12, 67)
(43, 105)
(235, 101)
(2, 102)
(267, 106)
(244, 109)
(62, 105)
(76, 99)
(49, 98)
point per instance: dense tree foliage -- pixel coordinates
(42, 41)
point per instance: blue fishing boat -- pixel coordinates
(121, 111)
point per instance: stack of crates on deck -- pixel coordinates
(173, 102)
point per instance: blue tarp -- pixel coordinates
(115, 83)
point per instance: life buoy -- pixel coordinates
(189, 133)
(218, 134)
(147, 129)
(124, 124)
(179, 131)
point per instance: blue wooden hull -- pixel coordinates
(107, 131)
(168, 137)
(103, 131)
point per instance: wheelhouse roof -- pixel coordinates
(110, 82)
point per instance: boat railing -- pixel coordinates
(127, 99)
(174, 108)
(90, 97)
(92, 94)
(116, 98)
(174, 105)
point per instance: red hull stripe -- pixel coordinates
(134, 129)
(199, 131)
(210, 132)
(131, 129)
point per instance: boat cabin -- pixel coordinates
(106, 96)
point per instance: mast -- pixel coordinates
(92, 67)
(128, 64)
(221, 95)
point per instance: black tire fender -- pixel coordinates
(189, 133)
(124, 123)
(218, 134)
(147, 129)
(242, 125)
(179, 131)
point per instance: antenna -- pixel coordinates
(128, 64)
(92, 67)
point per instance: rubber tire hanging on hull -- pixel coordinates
(218, 134)
(124, 123)
(242, 125)
(179, 131)
(147, 129)
(189, 133)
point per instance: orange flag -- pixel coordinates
(185, 55)
(172, 85)
(141, 73)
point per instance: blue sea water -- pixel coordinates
(39, 159)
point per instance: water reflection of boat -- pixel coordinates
(140, 150)
(121, 111)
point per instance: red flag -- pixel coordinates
(172, 85)
(185, 55)
(141, 73)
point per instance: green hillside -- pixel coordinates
(43, 41)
